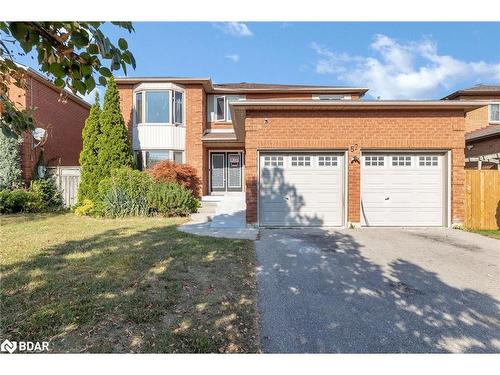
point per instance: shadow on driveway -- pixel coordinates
(322, 291)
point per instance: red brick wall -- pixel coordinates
(477, 118)
(375, 129)
(126, 93)
(62, 116)
(196, 115)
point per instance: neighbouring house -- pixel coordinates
(482, 126)
(307, 155)
(61, 114)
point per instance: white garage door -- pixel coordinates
(403, 189)
(301, 189)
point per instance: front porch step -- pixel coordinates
(212, 198)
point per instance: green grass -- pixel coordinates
(124, 285)
(494, 233)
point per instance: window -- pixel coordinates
(220, 108)
(327, 161)
(158, 106)
(374, 161)
(428, 161)
(301, 161)
(155, 156)
(138, 108)
(178, 107)
(401, 161)
(273, 161)
(178, 156)
(494, 112)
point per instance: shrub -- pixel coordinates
(168, 171)
(10, 162)
(86, 208)
(47, 189)
(20, 200)
(172, 200)
(89, 156)
(124, 193)
(113, 143)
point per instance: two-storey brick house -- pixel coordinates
(482, 126)
(306, 155)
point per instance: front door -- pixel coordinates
(226, 171)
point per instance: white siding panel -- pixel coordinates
(162, 136)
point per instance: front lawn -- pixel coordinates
(493, 233)
(124, 285)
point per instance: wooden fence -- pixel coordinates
(482, 199)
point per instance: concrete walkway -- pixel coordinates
(227, 221)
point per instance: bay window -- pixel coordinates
(159, 107)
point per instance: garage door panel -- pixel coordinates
(307, 195)
(402, 195)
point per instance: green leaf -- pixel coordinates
(90, 83)
(59, 82)
(80, 39)
(79, 86)
(93, 49)
(105, 72)
(57, 70)
(122, 43)
(103, 81)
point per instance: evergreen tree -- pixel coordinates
(89, 159)
(10, 162)
(114, 144)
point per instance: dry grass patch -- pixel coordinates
(124, 285)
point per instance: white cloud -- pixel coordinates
(233, 57)
(238, 29)
(404, 70)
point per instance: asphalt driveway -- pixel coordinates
(378, 291)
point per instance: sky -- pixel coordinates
(393, 60)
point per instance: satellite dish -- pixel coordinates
(40, 135)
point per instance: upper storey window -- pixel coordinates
(494, 112)
(218, 107)
(159, 107)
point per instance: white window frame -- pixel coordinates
(305, 159)
(489, 113)
(379, 159)
(171, 118)
(431, 161)
(404, 165)
(170, 153)
(332, 162)
(227, 98)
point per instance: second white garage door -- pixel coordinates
(403, 189)
(301, 189)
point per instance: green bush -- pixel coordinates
(47, 189)
(171, 200)
(124, 193)
(20, 200)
